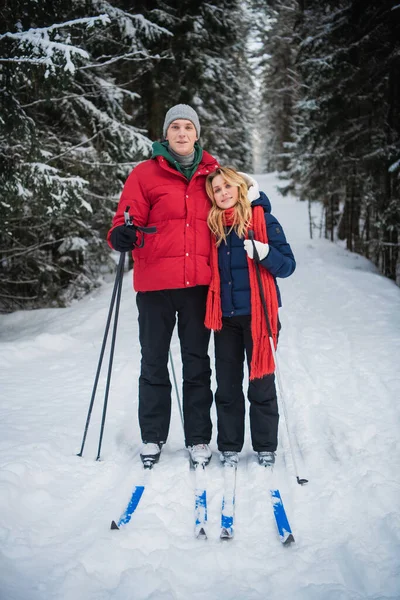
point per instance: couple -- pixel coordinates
(199, 266)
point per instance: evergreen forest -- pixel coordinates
(307, 88)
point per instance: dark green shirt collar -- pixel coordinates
(161, 149)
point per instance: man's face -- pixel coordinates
(181, 136)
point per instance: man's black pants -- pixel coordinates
(230, 345)
(157, 318)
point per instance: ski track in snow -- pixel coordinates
(339, 362)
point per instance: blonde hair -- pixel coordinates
(241, 210)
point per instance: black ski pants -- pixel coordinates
(231, 343)
(157, 317)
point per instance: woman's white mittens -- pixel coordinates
(262, 249)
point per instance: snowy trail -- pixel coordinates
(339, 360)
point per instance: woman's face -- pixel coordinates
(225, 194)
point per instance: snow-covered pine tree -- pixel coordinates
(67, 141)
(206, 65)
(274, 25)
(341, 121)
(348, 131)
(226, 97)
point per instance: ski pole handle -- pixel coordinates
(250, 233)
(127, 217)
(128, 223)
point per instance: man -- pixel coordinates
(171, 277)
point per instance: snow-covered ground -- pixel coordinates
(339, 361)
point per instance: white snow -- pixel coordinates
(339, 361)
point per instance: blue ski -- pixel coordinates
(228, 503)
(200, 502)
(130, 509)
(285, 533)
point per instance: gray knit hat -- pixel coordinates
(181, 111)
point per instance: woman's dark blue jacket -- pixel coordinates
(232, 262)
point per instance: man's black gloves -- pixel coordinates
(123, 238)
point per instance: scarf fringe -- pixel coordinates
(213, 318)
(262, 362)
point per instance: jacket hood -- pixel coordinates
(263, 201)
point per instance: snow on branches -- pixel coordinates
(51, 46)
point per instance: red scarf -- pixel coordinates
(262, 361)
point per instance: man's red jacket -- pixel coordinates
(178, 255)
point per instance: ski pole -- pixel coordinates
(176, 391)
(264, 304)
(116, 288)
(120, 277)
(115, 300)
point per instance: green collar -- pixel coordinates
(161, 149)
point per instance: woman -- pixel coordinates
(235, 312)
